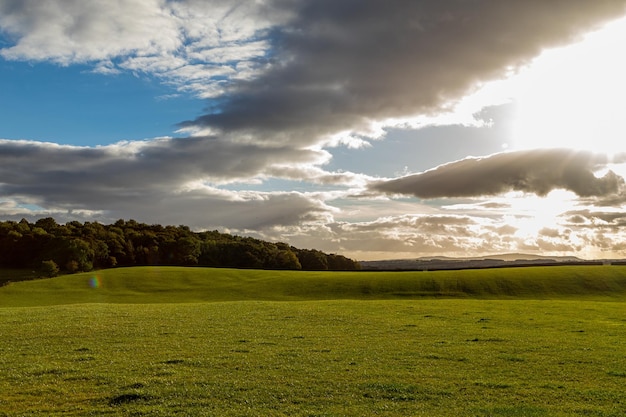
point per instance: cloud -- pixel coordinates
(170, 181)
(67, 31)
(161, 181)
(301, 70)
(158, 164)
(343, 66)
(615, 219)
(201, 209)
(405, 235)
(194, 45)
(534, 171)
(288, 78)
(411, 235)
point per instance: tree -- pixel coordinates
(71, 266)
(341, 263)
(23, 226)
(286, 259)
(188, 251)
(101, 256)
(77, 246)
(79, 256)
(49, 268)
(313, 260)
(47, 223)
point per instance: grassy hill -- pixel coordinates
(181, 285)
(543, 341)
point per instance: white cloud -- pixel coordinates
(68, 31)
(193, 45)
(233, 53)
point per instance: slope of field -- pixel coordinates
(179, 285)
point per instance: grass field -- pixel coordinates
(535, 342)
(180, 285)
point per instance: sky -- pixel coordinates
(373, 129)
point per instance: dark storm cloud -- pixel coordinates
(338, 65)
(535, 171)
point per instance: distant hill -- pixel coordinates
(504, 257)
(488, 261)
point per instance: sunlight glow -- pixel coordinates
(533, 213)
(573, 97)
(568, 97)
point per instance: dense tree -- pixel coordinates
(48, 224)
(74, 247)
(313, 260)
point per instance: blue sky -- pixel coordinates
(37, 99)
(372, 129)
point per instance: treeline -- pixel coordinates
(75, 247)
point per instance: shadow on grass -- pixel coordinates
(128, 398)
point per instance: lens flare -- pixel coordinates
(94, 282)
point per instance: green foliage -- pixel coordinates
(82, 247)
(48, 224)
(49, 269)
(316, 358)
(313, 260)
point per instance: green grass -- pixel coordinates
(316, 358)
(177, 285)
(203, 342)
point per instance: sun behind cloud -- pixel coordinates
(573, 97)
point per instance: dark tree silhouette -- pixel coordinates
(75, 247)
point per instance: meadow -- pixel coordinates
(212, 342)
